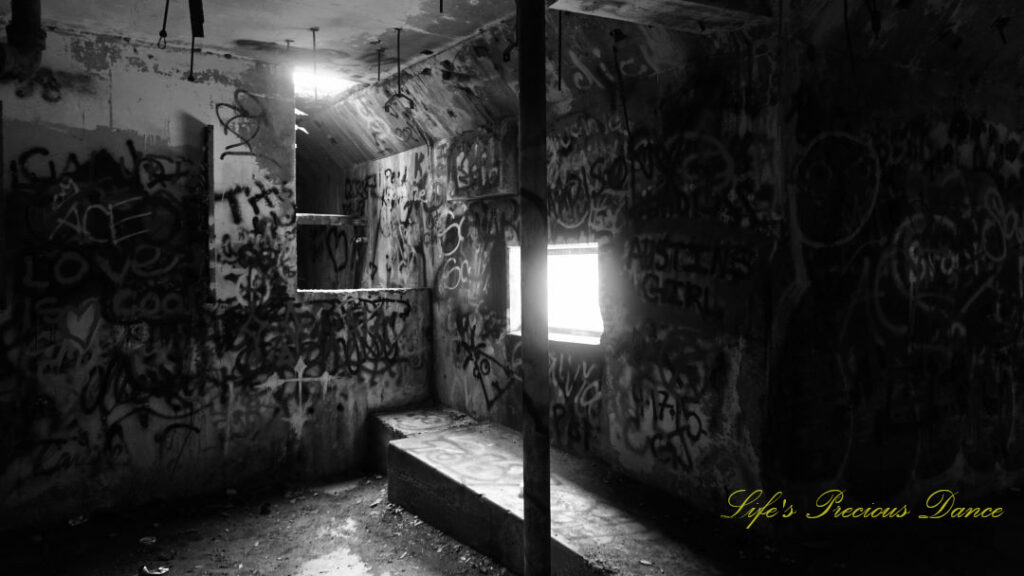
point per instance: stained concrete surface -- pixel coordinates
(593, 533)
(345, 529)
(604, 523)
(348, 529)
(388, 426)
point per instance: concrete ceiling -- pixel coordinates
(350, 31)
(467, 88)
(688, 15)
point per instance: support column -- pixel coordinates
(533, 235)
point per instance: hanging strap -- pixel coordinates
(162, 42)
(192, 61)
(398, 40)
(316, 95)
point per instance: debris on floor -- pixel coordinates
(322, 531)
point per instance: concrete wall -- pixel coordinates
(897, 316)
(153, 341)
(682, 200)
(810, 259)
(810, 268)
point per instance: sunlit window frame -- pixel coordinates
(556, 333)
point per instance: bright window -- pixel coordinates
(322, 83)
(573, 311)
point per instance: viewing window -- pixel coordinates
(573, 311)
(330, 227)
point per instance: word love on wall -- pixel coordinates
(101, 308)
(119, 229)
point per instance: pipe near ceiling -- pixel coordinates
(26, 40)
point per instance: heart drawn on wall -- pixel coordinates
(81, 323)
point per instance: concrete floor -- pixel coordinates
(349, 529)
(346, 529)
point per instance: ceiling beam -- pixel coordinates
(688, 15)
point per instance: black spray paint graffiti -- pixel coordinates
(104, 200)
(588, 178)
(336, 246)
(576, 399)
(694, 275)
(475, 166)
(399, 217)
(383, 139)
(269, 334)
(837, 182)
(600, 177)
(591, 70)
(51, 84)
(122, 231)
(103, 313)
(270, 196)
(328, 258)
(471, 284)
(906, 248)
(938, 254)
(726, 261)
(675, 393)
(472, 252)
(495, 375)
(357, 190)
(243, 118)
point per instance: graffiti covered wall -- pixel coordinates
(669, 168)
(809, 248)
(898, 320)
(678, 188)
(154, 343)
(441, 217)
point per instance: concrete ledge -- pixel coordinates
(466, 481)
(470, 516)
(387, 426)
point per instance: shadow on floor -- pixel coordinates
(345, 529)
(349, 529)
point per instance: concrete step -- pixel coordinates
(387, 426)
(466, 481)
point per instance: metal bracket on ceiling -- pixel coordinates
(314, 30)
(506, 56)
(398, 100)
(397, 103)
(162, 42)
(192, 61)
(380, 55)
(195, 13)
(398, 50)
(196, 17)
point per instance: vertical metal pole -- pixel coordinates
(4, 220)
(208, 160)
(560, 12)
(398, 50)
(533, 235)
(316, 80)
